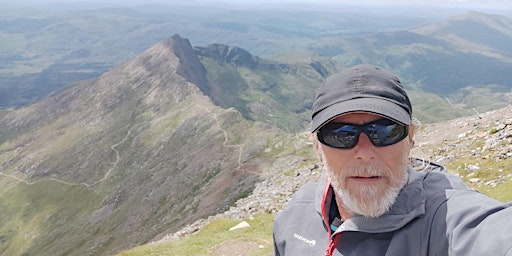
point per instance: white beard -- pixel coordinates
(368, 200)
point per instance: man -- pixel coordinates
(370, 200)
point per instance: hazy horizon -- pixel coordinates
(496, 6)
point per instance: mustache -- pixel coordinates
(372, 169)
(365, 170)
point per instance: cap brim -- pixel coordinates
(377, 106)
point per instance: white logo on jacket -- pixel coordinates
(305, 240)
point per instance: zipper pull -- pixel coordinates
(335, 224)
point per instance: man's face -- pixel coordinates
(366, 178)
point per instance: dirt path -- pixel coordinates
(107, 174)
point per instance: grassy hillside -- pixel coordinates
(263, 90)
(216, 238)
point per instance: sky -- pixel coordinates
(475, 4)
(501, 5)
(490, 3)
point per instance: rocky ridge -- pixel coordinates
(439, 142)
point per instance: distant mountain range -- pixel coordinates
(459, 62)
(180, 132)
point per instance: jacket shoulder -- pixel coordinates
(434, 180)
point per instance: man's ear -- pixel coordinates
(412, 130)
(318, 150)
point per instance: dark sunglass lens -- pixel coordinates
(382, 132)
(338, 135)
(386, 132)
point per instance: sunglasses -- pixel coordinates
(382, 132)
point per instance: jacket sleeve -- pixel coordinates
(473, 224)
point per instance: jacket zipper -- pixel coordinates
(332, 245)
(330, 248)
(332, 238)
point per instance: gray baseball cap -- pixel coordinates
(362, 88)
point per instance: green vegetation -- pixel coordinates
(262, 90)
(492, 171)
(214, 237)
(32, 211)
(500, 192)
(429, 107)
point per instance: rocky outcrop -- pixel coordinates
(239, 57)
(479, 142)
(189, 65)
(229, 54)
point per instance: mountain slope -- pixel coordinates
(464, 61)
(480, 44)
(263, 90)
(113, 162)
(441, 57)
(476, 32)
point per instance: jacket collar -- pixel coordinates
(409, 204)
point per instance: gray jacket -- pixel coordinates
(434, 214)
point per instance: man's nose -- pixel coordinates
(364, 149)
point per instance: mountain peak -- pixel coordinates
(173, 55)
(189, 65)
